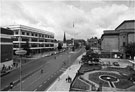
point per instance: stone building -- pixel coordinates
(114, 41)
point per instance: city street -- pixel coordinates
(52, 69)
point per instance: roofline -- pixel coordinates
(124, 22)
(40, 30)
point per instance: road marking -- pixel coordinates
(35, 90)
(45, 82)
(40, 85)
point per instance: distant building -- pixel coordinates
(114, 41)
(94, 44)
(6, 46)
(39, 40)
(55, 44)
(81, 42)
(64, 38)
(64, 41)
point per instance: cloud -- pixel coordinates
(90, 18)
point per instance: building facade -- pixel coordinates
(94, 44)
(39, 41)
(114, 41)
(6, 46)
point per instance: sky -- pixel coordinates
(89, 17)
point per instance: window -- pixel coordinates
(16, 32)
(25, 39)
(32, 34)
(23, 33)
(34, 39)
(27, 33)
(35, 34)
(16, 45)
(124, 43)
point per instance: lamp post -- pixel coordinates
(20, 53)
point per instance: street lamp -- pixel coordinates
(20, 53)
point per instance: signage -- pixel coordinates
(20, 52)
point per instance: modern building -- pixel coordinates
(39, 40)
(114, 41)
(6, 48)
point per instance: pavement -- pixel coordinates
(122, 62)
(60, 84)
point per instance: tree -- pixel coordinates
(87, 47)
(130, 50)
(76, 44)
(90, 57)
(59, 46)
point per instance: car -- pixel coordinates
(116, 64)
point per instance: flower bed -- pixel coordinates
(78, 84)
(87, 68)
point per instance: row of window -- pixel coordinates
(33, 40)
(34, 34)
(35, 45)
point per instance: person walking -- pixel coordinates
(42, 71)
(11, 85)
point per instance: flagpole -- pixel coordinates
(74, 34)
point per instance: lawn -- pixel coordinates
(87, 68)
(120, 70)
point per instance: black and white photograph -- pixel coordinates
(67, 45)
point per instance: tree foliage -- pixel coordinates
(59, 46)
(130, 49)
(90, 57)
(87, 47)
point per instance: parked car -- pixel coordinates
(116, 64)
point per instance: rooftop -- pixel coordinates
(14, 27)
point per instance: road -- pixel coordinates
(52, 69)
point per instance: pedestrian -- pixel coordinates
(41, 71)
(11, 85)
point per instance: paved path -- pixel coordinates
(123, 62)
(60, 84)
